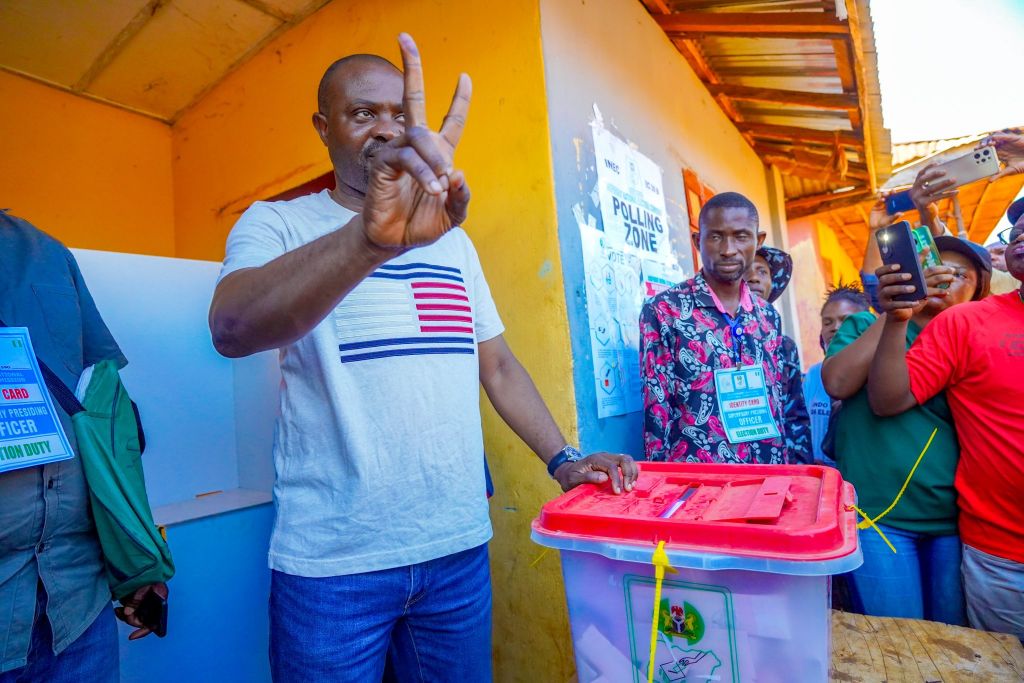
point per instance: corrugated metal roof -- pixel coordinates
(906, 152)
(982, 204)
(797, 77)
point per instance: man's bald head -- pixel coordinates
(360, 109)
(342, 65)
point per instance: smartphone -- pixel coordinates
(927, 251)
(923, 240)
(981, 163)
(896, 244)
(898, 202)
(152, 612)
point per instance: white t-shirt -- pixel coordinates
(378, 449)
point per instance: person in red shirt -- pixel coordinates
(975, 353)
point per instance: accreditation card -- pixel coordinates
(743, 405)
(30, 430)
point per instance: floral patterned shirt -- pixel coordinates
(684, 337)
(798, 420)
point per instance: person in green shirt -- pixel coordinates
(921, 580)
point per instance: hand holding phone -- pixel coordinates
(981, 163)
(898, 202)
(930, 186)
(1009, 145)
(896, 245)
(146, 609)
(152, 612)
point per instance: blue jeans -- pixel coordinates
(432, 621)
(91, 658)
(920, 581)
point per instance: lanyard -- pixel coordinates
(735, 327)
(737, 331)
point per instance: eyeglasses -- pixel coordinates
(1010, 235)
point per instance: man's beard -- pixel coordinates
(364, 160)
(728, 277)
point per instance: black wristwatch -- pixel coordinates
(567, 454)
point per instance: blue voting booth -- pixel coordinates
(209, 424)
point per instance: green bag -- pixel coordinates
(110, 444)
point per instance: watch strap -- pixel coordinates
(567, 454)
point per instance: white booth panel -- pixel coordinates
(208, 420)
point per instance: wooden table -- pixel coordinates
(882, 650)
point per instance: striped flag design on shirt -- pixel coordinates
(411, 309)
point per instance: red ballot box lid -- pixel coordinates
(785, 512)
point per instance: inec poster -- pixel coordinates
(628, 262)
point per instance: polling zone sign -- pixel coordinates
(632, 201)
(627, 260)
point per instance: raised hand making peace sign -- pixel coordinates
(393, 172)
(414, 194)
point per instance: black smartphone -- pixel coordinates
(896, 243)
(152, 612)
(899, 201)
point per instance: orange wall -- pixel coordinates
(251, 136)
(819, 263)
(92, 175)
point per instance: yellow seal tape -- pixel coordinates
(871, 523)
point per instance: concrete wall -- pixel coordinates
(819, 263)
(91, 175)
(611, 54)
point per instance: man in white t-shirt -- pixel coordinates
(386, 330)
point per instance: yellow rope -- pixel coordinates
(868, 522)
(871, 523)
(539, 558)
(660, 562)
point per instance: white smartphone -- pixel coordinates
(981, 163)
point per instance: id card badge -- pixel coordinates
(30, 430)
(743, 404)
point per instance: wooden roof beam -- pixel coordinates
(700, 5)
(844, 65)
(756, 24)
(695, 58)
(796, 134)
(801, 72)
(799, 98)
(797, 148)
(812, 204)
(657, 7)
(848, 78)
(810, 159)
(860, 119)
(790, 166)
